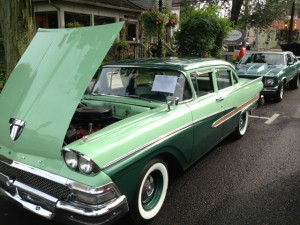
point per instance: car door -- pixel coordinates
(292, 67)
(229, 98)
(205, 109)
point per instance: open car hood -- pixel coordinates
(43, 91)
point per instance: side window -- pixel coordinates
(202, 82)
(289, 59)
(234, 79)
(223, 79)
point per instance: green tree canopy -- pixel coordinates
(245, 13)
(203, 32)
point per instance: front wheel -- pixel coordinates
(151, 192)
(278, 96)
(242, 125)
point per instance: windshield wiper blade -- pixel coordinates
(136, 96)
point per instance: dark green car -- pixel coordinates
(278, 69)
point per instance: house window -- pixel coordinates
(46, 20)
(82, 19)
(131, 32)
(100, 20)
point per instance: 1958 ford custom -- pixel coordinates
(93, 159)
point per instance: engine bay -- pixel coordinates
(87, 120)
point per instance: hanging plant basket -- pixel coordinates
(154, 22)
(173, 20)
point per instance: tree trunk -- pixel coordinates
(17, 30)
(235, 10)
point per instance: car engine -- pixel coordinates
(87, 120)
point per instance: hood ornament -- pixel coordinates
(16, 127)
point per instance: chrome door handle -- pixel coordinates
(219, 99)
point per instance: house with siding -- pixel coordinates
(61, 13)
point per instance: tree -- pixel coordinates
(244, 13)
(17, 29)
(258, 13)
(203, 33)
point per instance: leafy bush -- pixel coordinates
(203, 33)
(73, 24)
(2, 73)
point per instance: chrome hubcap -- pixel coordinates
(241, 122)
(148, 189)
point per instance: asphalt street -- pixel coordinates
(253, 180)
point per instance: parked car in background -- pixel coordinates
(278, 69)
(91, 159)
(248, 46)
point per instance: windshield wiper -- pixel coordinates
(135, 96)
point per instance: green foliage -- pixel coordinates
(155, 24)
(121, 45)
(2, 75)
(203, 33)
(73, 24)
(263, 13)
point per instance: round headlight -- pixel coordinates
(269, 82)
(85, 165)
(71, 160)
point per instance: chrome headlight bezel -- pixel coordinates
(71, 159)
(85, 165)
(269, 82)
(79, 162)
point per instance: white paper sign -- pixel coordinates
(163, 83)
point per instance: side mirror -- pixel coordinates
(290, 63)
(171, 100)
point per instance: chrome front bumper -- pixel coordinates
(269, 90)
(66, 211)
(74, 214)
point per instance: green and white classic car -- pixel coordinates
(93, 159)
(278, 69)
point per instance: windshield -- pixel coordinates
(146, 83)
(269, 58)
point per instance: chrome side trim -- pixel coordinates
(159, 140)
(234, 112)
(170, 134)
(153, 142)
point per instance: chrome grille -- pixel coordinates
(42, 184)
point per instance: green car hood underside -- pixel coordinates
(46, 86)
(258, 69)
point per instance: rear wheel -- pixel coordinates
(151, 192)
(243, 124)
(294, 84)
(278, 96)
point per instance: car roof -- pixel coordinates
(171, 63)
(270, 52)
